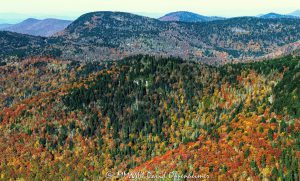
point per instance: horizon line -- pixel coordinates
(19, 17)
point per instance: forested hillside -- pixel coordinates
(15, 46)
(75, 120)
(102, 36)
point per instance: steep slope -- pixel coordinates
(255, 144)
(77, 120)
(185, 16)
(245, 148)
(46, 27)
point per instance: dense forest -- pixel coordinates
(74, 120)
(104, 35)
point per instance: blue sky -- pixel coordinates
(73, 8)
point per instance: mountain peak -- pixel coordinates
(106, 20)
(273, 15)
(108, 14)
(32, 26)
(30, 20)
(181, 13)
(186, 16)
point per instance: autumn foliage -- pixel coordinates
(71, 120)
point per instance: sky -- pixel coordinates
(70, 9)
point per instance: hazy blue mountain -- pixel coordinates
(276, 16)
(14, 18)
(46, 27)
(5, 25)
(150, 15)
(295, 13)
(185, 16)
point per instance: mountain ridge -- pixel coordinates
(173, 37)
(5, 25)
(295, 13)
(186, 16)
(36, 27)
(99, 36)
(276, 16)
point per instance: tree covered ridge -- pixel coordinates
(100, 36)
(80, 120)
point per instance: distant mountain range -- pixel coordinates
(51, 26)
(31, 26)
(295, 13)
(276, 16)
(185, 16)
(108, 35)
(2, 26)
(14, 18)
